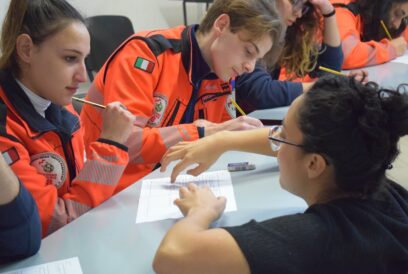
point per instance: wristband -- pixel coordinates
(330, 14)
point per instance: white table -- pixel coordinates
(107, 239)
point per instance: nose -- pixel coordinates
(397, 23)
(298, 13)
(80, 74)
(249, 66)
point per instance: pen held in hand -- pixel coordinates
(331, 71)
(238, 107)
(385, 29)
(88, 102)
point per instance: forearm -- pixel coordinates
(254, 141)
(307, 86)
(9, 184)
(331, 34)
(180, 241)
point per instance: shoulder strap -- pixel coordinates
(157, 44)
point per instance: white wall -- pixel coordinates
(145, 14)
(3, 9)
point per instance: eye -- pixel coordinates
(70, 59)
(399, 13)
(282, 134)
(248, 52)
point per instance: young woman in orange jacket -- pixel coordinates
(365, 41)
(44, 44)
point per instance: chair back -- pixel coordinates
(107, 33)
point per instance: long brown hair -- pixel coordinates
(300, 52)
(38, 18)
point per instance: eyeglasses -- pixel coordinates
(300, 5)
(275, 140)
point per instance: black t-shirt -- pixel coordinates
(348, 235)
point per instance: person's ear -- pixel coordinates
(316, 165)
(221, 23)
(24, 47)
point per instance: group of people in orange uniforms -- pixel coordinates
(160, 87)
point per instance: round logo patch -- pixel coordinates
(160, 104)
(52, 166)
(229, 106)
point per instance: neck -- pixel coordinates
(22, 77)
(204, 43)
(324, 193)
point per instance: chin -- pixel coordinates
(63, 101)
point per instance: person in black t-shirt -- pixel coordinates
(334, 148)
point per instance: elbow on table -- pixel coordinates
(166, 261)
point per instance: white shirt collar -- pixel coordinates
(40, 104)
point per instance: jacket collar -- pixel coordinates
(57, 117)
(192, 58)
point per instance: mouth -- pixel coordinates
(235, 74)
(72, 89)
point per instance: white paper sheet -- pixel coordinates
(402, 59)
(157, 195)
(68, 266)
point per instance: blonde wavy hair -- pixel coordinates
(301, 49)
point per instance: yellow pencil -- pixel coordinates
(385, 29)
(331, 71)
(88, 102)
(237, 107)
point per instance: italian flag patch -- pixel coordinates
(11, 156)
(144, 64)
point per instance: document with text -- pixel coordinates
(157, 195)
(68, 266)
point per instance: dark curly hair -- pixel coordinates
(356, 127)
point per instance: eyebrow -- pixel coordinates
(74, 50)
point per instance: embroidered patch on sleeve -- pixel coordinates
(144, 64)
(229, 106)
(11, 156)
(160, 105)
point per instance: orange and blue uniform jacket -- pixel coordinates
(357, 53)
(47, 155)
(164, 81)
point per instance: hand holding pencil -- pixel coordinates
(360, 74)
(117, 121)
(400, 44)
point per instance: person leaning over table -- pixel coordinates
(334, 148)
(312, 40)
(364, 41)
(176, 81)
